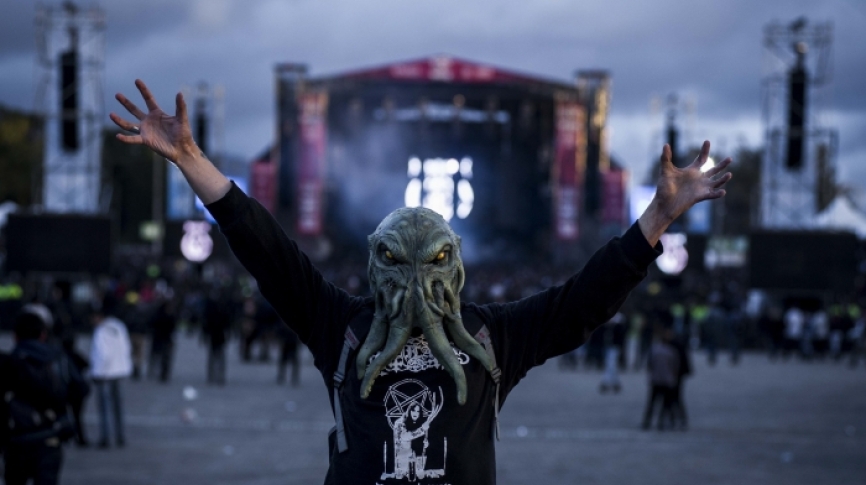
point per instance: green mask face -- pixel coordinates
(416, 275)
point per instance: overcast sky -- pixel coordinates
(707, 51)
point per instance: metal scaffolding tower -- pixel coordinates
(799, 146)
(70, 44)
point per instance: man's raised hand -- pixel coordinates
(679, 189)
(171, 137)
(168, 136)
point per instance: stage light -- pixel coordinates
(414, 167)
(466, 197)
(196, 244)
(452, 166)
(675, 258)
(413, 193)
(466, 168)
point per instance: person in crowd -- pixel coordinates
(267, 322)
(713, 327)
(57, 317)
(795, 320)
(679, 415)
(248, 328)
(289, 354)
(594, 348)
(820, 325)
(218, 317)
(733, 323)
(134, 316)
(636, 323)
(614, 341)
(38, 383)
(840, 323)
(646, 336)
(663, 366)
(61, 312)
(698, 312)
(110, 364)
(63, 333)
(77, 400)
(857, 337)
(163, 327)
(771, 325)
(679, 319)
(416, 275)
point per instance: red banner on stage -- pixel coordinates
(613, 196)
(442, 69)
(263, 182)
(568, 162)
(311, 166)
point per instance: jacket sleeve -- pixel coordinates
(561, 318)
(285, 275)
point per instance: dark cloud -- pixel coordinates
(710, 51)
(17, 34)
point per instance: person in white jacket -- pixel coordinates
(110, 362)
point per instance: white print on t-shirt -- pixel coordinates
(410, 407)
(416, 357)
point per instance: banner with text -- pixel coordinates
(311, 166)
(569, 159)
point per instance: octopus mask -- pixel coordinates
(416, 275)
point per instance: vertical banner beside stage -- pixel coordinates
(311, 166)
(569, 158)
(613, 201)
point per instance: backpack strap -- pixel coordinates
(350, 343)
(483, 337)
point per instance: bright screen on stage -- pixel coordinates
(442, 185)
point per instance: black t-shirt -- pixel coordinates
(411, 428)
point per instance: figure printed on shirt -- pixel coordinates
(410, 408)
(416, 357)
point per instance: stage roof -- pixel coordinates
(444, 69)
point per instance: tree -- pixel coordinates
(20, 155)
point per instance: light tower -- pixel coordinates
(798, 145)
(70, 45)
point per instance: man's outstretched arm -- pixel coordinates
(171, 138)
(285, 275)
(559, 319)
(679, 189)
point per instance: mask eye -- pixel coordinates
(440, 256)
(389, 255)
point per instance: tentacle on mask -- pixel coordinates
(465, 342)
(398, 334)
(379, 328)
(441, 348)
(433, 297)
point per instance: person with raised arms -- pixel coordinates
(412, 345)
